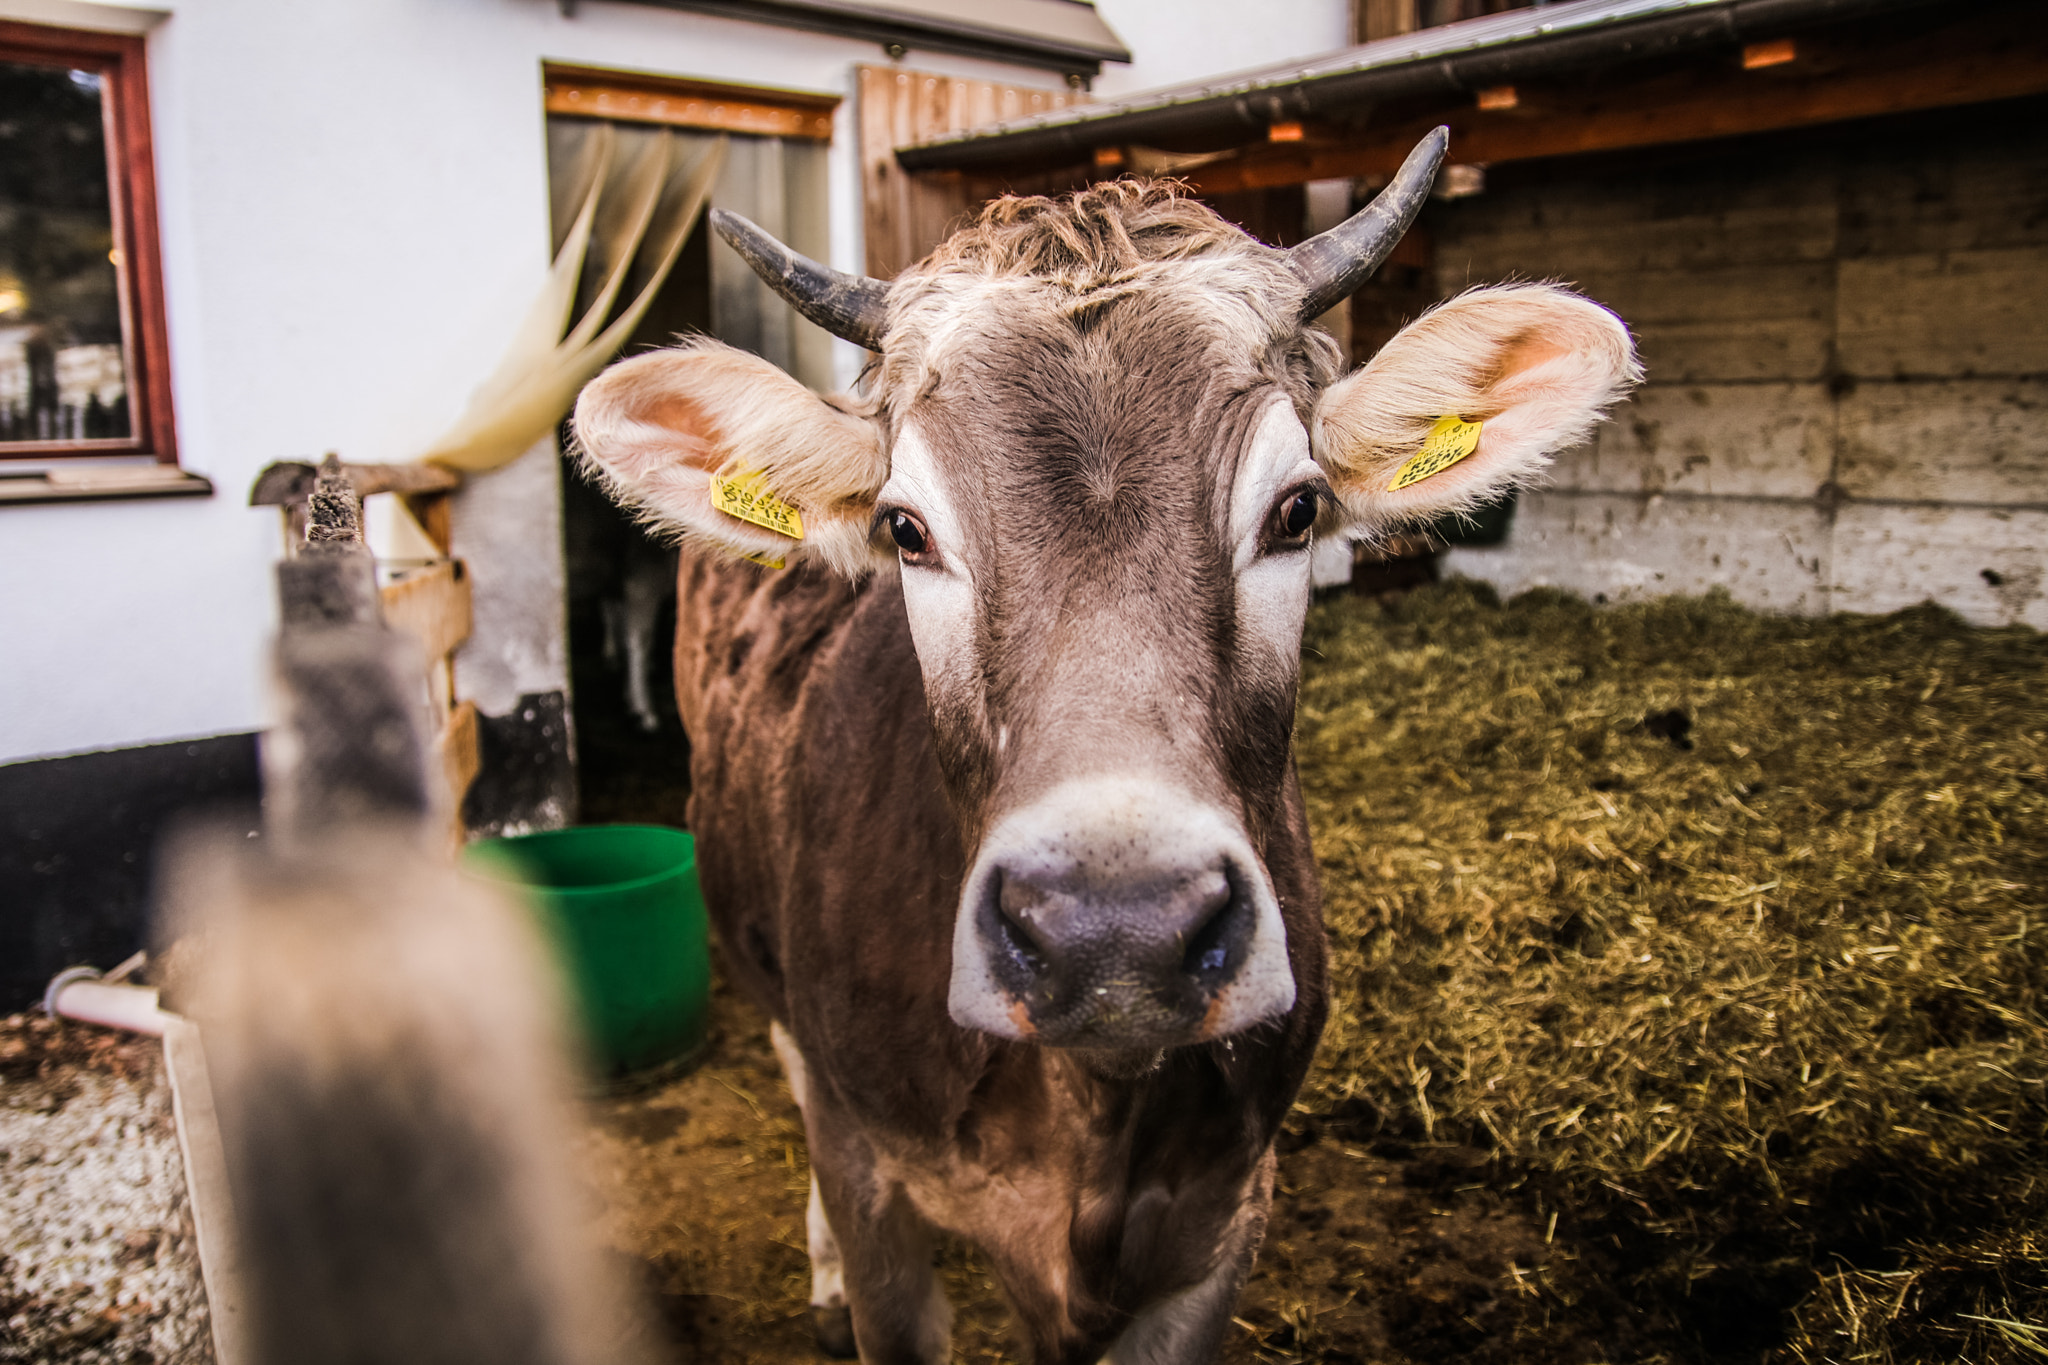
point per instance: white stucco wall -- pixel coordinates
(1172, 41)
(353, 211)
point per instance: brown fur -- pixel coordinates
(833, 865)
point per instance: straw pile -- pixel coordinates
(1726, 935)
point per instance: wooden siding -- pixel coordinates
(906, 216)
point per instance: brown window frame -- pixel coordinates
(121, 62)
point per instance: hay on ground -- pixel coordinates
(1726, 934)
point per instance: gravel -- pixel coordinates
(97, 1257)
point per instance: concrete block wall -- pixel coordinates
(1846, 340)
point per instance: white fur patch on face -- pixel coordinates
(938, 598)
(1272, 589)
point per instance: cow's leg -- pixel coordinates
(831, 1323)
(898, 1309)
(1188, 1326)
(881, 1291)
(647, 586)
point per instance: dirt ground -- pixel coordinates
(1383, 1247)
(1384, 1254)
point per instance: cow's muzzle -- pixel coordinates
(1118, 914)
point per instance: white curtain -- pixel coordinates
(779, 183)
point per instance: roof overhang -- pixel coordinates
(1630, 66)
(1063, 35)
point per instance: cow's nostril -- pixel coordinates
(1212, 945)
(1014, 908)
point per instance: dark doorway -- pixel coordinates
(632, 754)
(633, 759)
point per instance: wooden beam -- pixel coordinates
(290, 481)
(435, 512)
(1941, 71)
(637, 97)
(1372, 19)
(455, 756)
(433, 605)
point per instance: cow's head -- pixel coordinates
(1098, 443)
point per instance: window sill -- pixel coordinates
(101, 483)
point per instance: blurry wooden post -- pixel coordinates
(351, 740)
(432, 604)
(909, 215)
(383, 1035)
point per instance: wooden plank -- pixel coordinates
(1372, 19)
(1692, 326)
(1967, 65)
(289, 481)
(906, 215)
(1768, 554)
(1979, 194)
(636, 97)
(455, 754)
(433, 605)
(1622, 223)
(206, 1187)
(435, 512)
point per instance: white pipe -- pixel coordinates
(79, 993)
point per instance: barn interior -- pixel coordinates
(1817, 236)
(632, 756)
(1608, 1155)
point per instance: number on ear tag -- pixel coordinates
(745, 495)
(1449, 441)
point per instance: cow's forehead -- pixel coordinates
(1227, 319)
(1147, 397)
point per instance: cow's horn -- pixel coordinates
(1333, 264)
(849, 306)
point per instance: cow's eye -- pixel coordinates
(1293, 517)
(910, 537)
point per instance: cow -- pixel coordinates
(992, 775)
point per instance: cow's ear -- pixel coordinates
(725, 449)
(1469, 400)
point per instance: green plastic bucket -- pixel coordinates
(622, 907)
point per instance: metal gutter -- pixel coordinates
(1064, 35)
(1456, 59)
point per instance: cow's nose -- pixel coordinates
(1124, 919)
(1081, 954)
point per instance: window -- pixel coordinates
(83, 364)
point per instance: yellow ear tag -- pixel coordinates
(745, 495)
(1449, 441)
(765, 561)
